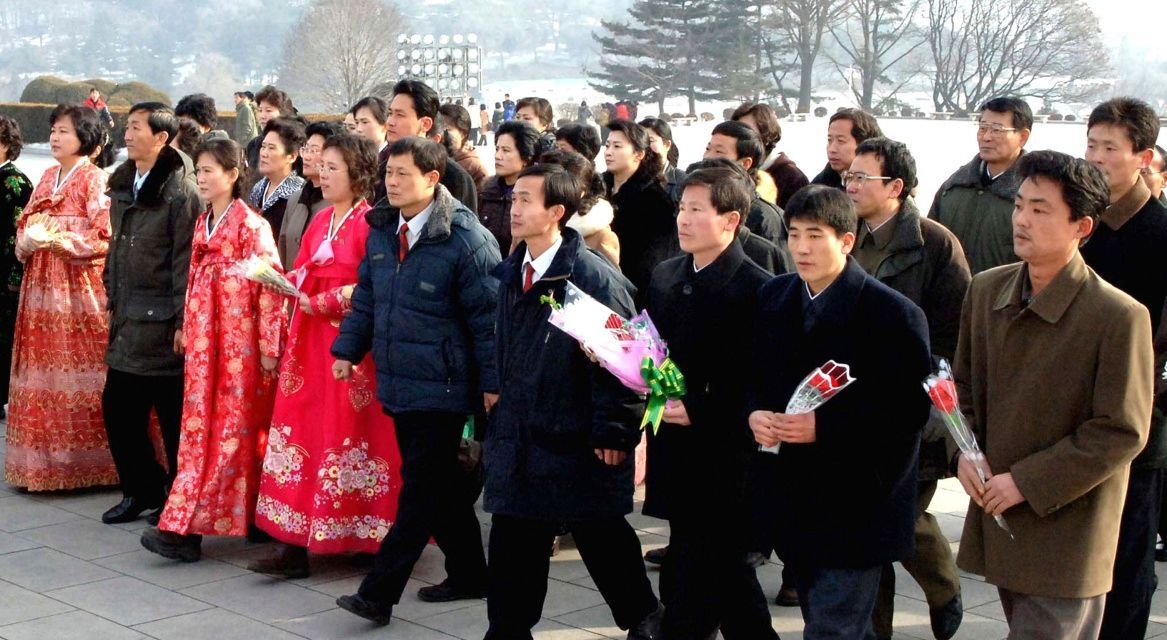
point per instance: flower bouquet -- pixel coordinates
(821, 385)
(942, 390)
(632, 350)
(257, 269)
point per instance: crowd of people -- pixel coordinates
(334, 335)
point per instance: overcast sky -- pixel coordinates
(1141, 21)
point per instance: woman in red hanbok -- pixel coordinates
(330, 476)
(231, 335)
(56, 435)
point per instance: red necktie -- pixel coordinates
(403, 243)
(529, 277)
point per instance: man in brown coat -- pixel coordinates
(1054, 369)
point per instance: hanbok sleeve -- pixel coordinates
(273, 317)
(94, 241)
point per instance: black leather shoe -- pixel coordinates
(946, 620)
(355, 604)
(128, 510)
(649, 627)
(173, 545)
(448, 592)
(1161, 554)
(787, 596)
(657, 556)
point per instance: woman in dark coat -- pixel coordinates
(279, 156)
(644, 219)
(15, 189)
(516, 145)
(660, 138)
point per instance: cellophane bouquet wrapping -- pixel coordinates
(941, 388)
(631, 349)
(259, 270)
(40, 233)
(816, 388)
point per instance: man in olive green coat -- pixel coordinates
(1054, 371)
(976, 202)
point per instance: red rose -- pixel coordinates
(943, 394)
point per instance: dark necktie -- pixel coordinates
(403, 243)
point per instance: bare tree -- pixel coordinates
(340, 49)
(800, 26)
(876, 36)
(1050, 49)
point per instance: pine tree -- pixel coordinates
(664, 50)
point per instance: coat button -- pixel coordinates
(687, 290)
(150, 312)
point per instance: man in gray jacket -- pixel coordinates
(154, 205)
(246, 126)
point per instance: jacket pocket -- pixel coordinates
(153, 309)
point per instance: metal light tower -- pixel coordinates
(452, 65)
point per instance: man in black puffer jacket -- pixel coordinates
(425, 306)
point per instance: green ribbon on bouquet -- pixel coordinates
(664, 382)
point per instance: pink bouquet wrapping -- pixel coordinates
(631, 350)
(815, 389)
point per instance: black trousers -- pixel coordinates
(8, 304)
(705, 583)
(433, 502)
(125, 404)
(520, 559)
(1128, 605)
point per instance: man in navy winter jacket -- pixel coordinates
(425, 305)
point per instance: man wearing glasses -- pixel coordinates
(1155, 176)
(976, 202)
(922, 260)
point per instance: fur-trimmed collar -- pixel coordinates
(596, 219)
(170, 162)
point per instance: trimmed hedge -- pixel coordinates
(54, 90)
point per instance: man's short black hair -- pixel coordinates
(198, 107)
(86, 125)
(1162, 157)
(278, 99)
(749, 143)
(560, 186)
(525, 137)
(425, 100)
(583, 138)
(730, 188)
(1018, 108)
(427, 155)
(863, 124)
(160, 118)
(825, 205)
(895, 160)
(250, 96)
(375, 105)
(1134, 116)
(1084, 187)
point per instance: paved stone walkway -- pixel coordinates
(64, 575)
